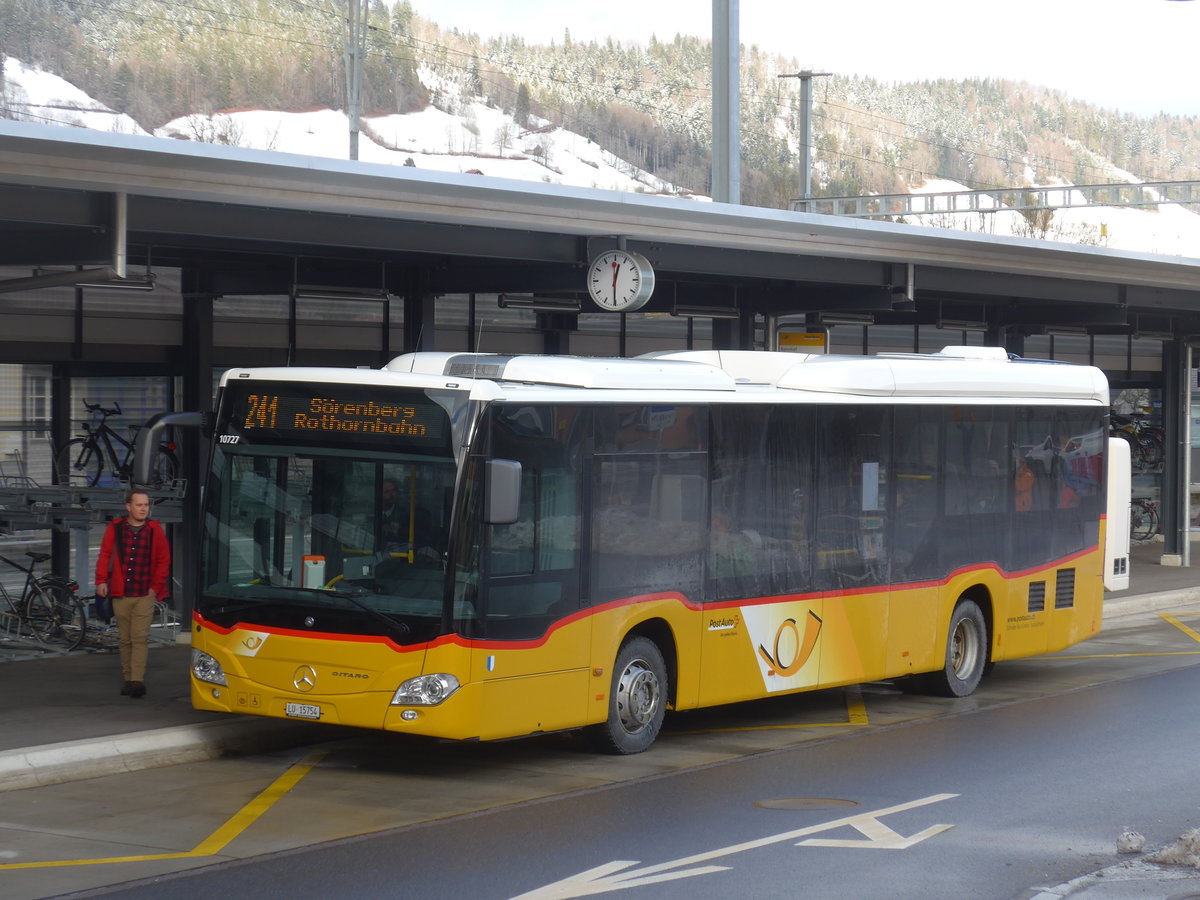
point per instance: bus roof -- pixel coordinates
(954, 372)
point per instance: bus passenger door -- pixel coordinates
(851, 553)
(762, 629)
(646, 533)
(532, 661)
(918, 537)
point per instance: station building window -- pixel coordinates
(259, 322)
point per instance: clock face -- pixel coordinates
(620, 281)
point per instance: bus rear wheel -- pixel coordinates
(966, 653)
(637, 700)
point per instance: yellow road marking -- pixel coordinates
(249, 814)
(219, 839)
(856, 708)
(1195, 636)
(856, 714)
(1116, 655)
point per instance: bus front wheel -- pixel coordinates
(637, 699)
(966, 653)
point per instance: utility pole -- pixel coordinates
(726, 124)
(806, 136)
(354, 46)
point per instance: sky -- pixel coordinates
(1136, 56)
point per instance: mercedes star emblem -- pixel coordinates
(305, 678)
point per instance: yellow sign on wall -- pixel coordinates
(803, 341)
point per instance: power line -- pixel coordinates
(1011, 157)
(147, 17)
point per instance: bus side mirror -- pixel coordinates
(145, 445)
(502, 491)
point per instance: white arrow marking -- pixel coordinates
(613, 877)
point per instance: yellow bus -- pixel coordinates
(474, 547)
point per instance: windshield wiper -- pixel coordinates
(399, 629)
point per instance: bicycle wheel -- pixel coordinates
(1143, 522)
(41, 615)
(1150, 445)
(79, 463)
(166, 467)
(69, 612)
(1152, 511)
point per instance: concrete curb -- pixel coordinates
(1115, 606)
(119, 753)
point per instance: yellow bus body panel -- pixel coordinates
(716, 653)
(351, 680)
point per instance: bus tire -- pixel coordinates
(637, 700)
(966, 653)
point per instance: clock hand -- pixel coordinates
(616, 268)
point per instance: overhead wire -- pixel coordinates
(129, 10)
(978, 149)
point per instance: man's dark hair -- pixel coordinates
(132, 492)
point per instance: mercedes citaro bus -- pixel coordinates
(473, 546)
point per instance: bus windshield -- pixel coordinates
(329, 513)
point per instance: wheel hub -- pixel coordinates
(637, 696)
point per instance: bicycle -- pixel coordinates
(83, 460)
(47, 608)
(1143, 519)
(1146, 442)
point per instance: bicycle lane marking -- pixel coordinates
(215, 842)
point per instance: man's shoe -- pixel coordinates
(126, 688)
(137, 689)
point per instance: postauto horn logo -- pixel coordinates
(790, 651)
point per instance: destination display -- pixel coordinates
(291, 412)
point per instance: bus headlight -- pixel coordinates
(205, 668)
(425, 690)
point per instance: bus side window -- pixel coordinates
(648, 525)
(850, 542)
(649, 501)
(980, 488)
(916, 476)
(533, 563)
(760, 506)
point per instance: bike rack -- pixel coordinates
(26, 505)
(12, 640)
(164, 631)
(65, 508)
(62, 507)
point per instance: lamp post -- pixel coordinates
(726, 130)
(806, 138)
(354, 33)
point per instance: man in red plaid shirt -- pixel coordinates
(133, 568)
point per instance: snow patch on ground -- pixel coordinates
(36, 96)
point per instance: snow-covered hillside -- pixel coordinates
(481, 140)
(487, 141)
(41, 97)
